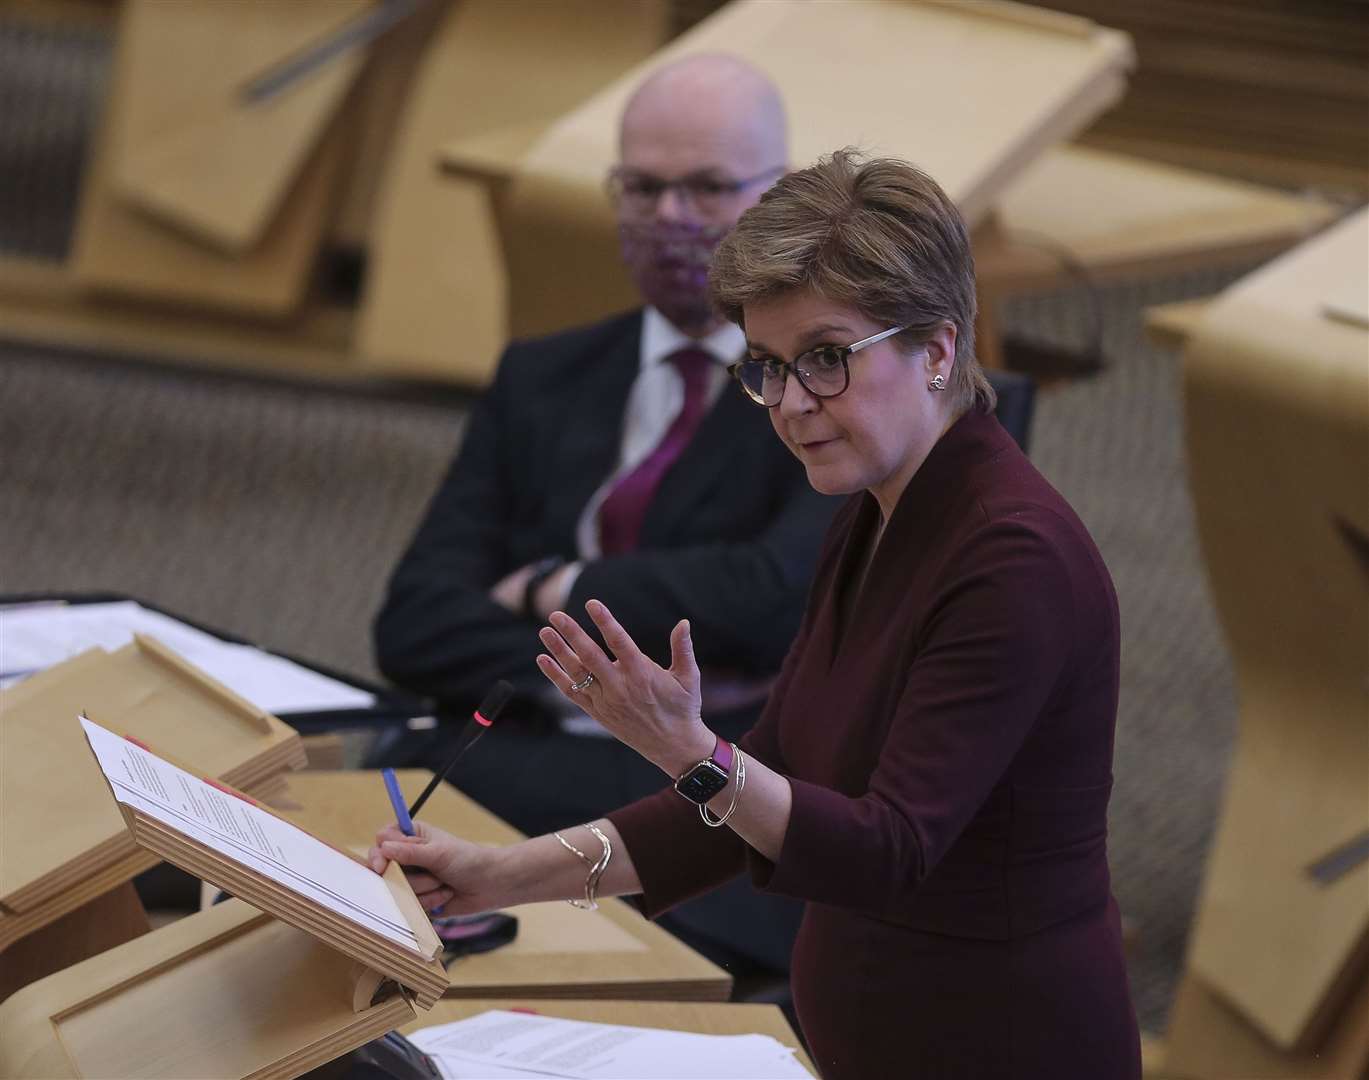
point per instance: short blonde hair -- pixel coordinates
(878, 235)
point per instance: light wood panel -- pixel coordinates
(560, 951)
(1260, 88)
(970, 92)
(41, 302)
(62, 839)
(105, 922)
(164, 55)
(1113, 215)
(207, 162)
(1209, 1040)
(229, 992)
(1277, 427)
(436, 293)
(1173, 324)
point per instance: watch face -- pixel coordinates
(702, 782)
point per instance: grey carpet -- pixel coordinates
(276, 511)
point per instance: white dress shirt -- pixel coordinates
(655, 401)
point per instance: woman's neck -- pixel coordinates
(888, 494)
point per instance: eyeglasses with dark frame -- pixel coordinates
(824, 371)
(639, 192)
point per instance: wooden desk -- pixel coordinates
(1116, 216)
(560, 951)
(1171, 325)
(710, 1019)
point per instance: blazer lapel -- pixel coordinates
(589, 420)
(723, 440)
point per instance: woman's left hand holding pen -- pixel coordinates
(434, 861)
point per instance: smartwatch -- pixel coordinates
(699, 783)
(542, 569)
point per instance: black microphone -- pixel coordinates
(479, 723)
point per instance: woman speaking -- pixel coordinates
(932, 771)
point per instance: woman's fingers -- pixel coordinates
(391, 832)
(436, 900)
(562, 653)
(410, 850)
(558, 678)
(552, 670)
(617, 639)
(582, 645)
(424, 883)
(682, 663)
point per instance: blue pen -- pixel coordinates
(406, 824)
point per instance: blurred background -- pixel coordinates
(238, 339)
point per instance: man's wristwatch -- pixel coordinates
(542, 569)
(700, 782)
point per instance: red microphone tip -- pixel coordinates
(499, 696)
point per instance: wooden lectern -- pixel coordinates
(228, 992)
(64, 851)
(333, 957)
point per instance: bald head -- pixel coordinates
(701, 139)
(709, 112)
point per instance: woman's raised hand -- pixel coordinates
(652, 709)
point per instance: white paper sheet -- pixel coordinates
(241, 831)
(499, 1044)
(36, 636)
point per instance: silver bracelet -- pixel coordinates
(597, 871)
(709, 820)
(596, 868)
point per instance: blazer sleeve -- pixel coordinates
(438, 632)
(742, 599)
(990, 654)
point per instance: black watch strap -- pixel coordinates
(542, 569)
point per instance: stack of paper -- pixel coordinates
(62, 843)
(227, 839)
(34, 637)
(499, 1044)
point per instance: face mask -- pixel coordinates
(669, 262)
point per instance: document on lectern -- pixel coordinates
(230, 825)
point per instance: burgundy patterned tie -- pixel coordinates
(621, 513)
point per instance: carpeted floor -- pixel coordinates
(276, 511)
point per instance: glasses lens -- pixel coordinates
(638, 192)
(706, 193)
(823, 370)
(761, 386)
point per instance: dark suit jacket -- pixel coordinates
(729, 542)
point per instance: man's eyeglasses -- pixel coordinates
(823, 372)
(639, 192)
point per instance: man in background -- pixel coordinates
(616, 462)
